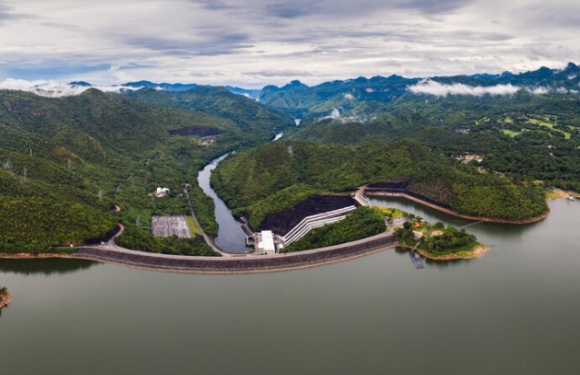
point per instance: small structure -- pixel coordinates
(418, 235)
(161, 192)
(266, 245)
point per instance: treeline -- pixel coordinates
(37, 224)
(142, 239)
(362, 223)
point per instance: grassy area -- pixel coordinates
(511, 133)
(193, 227)
(545, 121)
(391, 213)
(551, 194)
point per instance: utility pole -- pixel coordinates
(7, 165)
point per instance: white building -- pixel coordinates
(161, 192)
(266, 244)
(418, 235)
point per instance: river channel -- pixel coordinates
(231, 237)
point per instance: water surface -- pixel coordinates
(513, 311)
(231, 237)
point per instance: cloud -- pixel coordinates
(287, 73)
(54, 89)
(7, 13)
(430, 87)
(220, 43)
(259, 42)
(213, 4)
(538, 90)
(433, 6)
(291, 9)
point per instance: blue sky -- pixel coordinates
(253, 43)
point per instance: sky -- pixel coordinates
(252, 43)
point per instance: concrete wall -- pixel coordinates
(238, 264)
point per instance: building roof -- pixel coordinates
(268, 241)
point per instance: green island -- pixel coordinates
(438, 242)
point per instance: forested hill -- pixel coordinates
(534, 137)
(276, 176)
(64, 162)
(246, 113)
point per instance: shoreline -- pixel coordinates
(34, 256)
(457, 214)
(6, 300)
(226, 265)
(294, 261)
(477, 252)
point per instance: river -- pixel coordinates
(513, 311)
(231, 236)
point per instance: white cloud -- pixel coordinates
(538, 90)
(430, 87)
(54, 89)
(258, 42)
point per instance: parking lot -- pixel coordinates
(168, 226)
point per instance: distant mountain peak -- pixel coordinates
(80, 83)
(294, 84)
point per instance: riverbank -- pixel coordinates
(34, 256)
(561, 194)
(463, 254)
(5, 300)
(457, 214)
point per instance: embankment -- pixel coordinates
(244, 264)
(446, 209)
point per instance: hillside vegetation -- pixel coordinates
(533, 137)
(274, 176)
(364, 222)
(65, 163)
(254, 119)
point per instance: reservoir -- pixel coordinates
(513, 311)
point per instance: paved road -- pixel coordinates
(359, 196)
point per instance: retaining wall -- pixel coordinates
(247, 264)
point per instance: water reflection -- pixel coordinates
(44, 267)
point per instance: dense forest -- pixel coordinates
(275, 176)
(362, 223)
(530, 137)
(65, 163)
